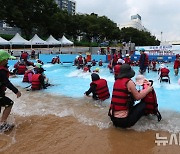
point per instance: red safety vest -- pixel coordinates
(85, 69)
(36, 85)
(80, 60)
(120, 95)
(151, 103)
(164, 72)
(117, 69)
(25, 78)
(21, 69)
(102, 89)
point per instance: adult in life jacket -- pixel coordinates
(80, 62)
(39, 80)
(164, 73)
(28, 74)
(117, 67)
(143, 61)
(150, 99)
(5, 83)
(98, 87)
(123, 112)
(176, 65)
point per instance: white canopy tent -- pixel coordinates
(65, 41)
(52, 41)
(3, 41)
(18, 40)
(36, 40)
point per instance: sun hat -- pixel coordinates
(4, 55)
(30, 67)
(140, 79)
(120, 61)
(126, 71)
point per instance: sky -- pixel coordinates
(156, 15)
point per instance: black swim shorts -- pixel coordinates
(5, 101)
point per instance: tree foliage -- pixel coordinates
(45, 18)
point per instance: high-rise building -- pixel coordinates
(134, 23)
(68, 5)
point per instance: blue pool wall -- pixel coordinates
(69, 58)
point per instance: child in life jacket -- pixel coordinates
(150, 99)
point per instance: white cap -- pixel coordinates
(162, 66)
(127, 55)
(121, 61)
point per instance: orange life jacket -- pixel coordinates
(102, 89)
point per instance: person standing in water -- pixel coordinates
(5, 102)
(143, 61)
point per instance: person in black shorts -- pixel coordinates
(5, 102)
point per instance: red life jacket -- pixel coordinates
(21, 69)
(102, 89)
(117, 69)
(164, 72)
(25, 78)
(151, 103)
(80, 60)
(85, 69)
(24, 56)
(100, 63)
(120, 95)
(2, 87)
(36, 85)
(127, 60)
(55, 60)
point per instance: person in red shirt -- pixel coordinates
(176, 65)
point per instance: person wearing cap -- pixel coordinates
(164, 73)
(122, 111)
(4, 84)
(143, 61)
(98, 87)
(28, 74)
(127, 59)
(117, 67)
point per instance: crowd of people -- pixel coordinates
(123, 111)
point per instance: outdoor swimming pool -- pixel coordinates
(71, 82)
